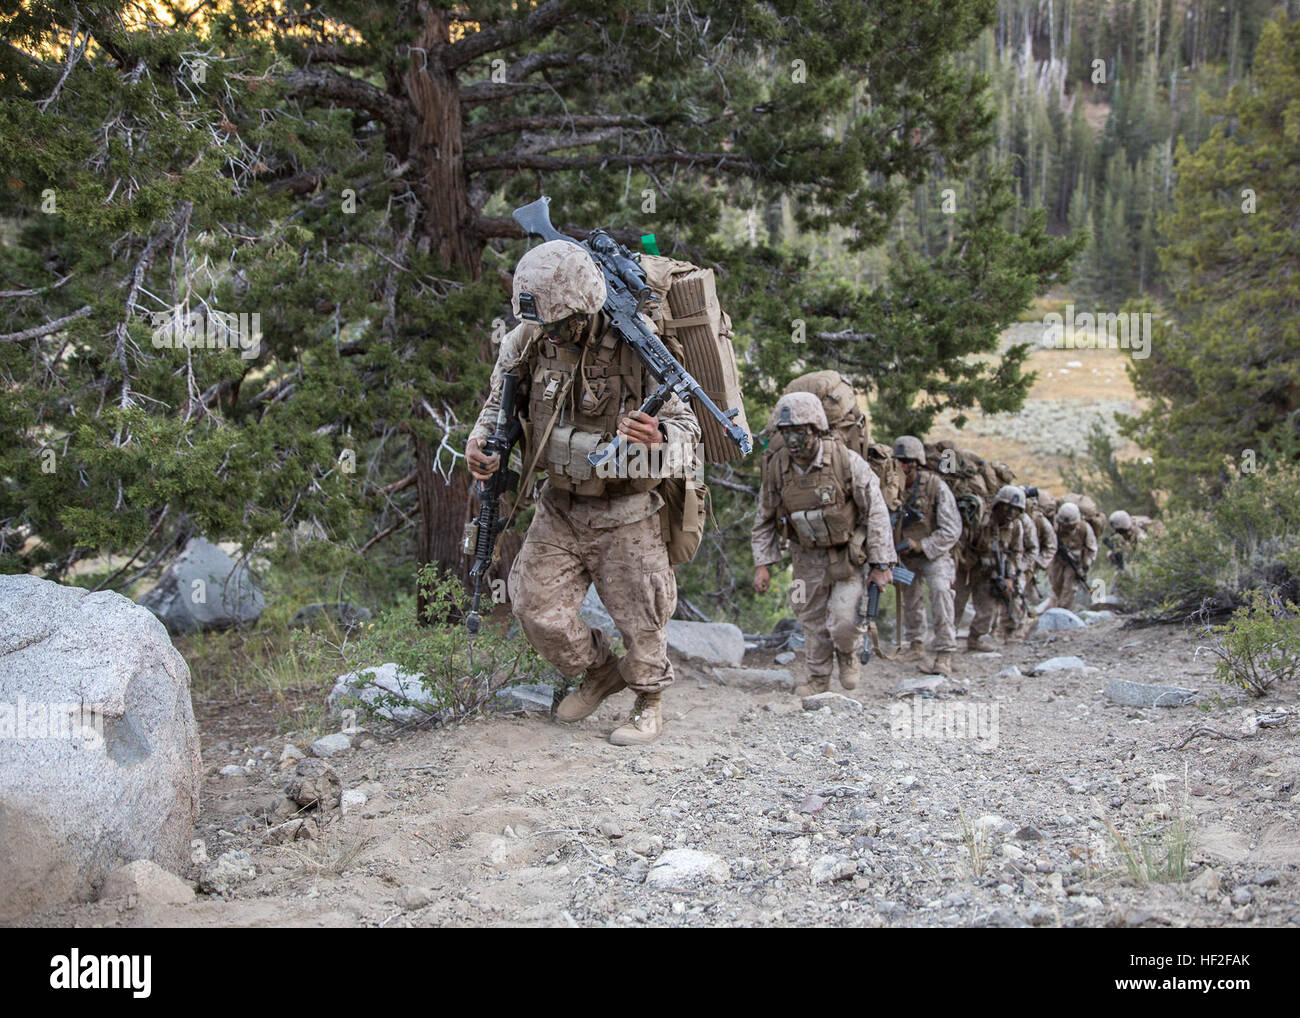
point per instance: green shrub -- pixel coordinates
(1247, 538)
(460, 677)
(1259, 645)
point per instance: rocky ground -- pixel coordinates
(1003, 800)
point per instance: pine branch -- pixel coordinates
(555, 121)
(44, 330)
(324, 83)
(539, 22)
(516, 160)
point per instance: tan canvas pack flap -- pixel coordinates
(691, 312)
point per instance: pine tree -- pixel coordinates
(1226, 378)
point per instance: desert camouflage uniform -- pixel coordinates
(613, 540)
(1079, 539)
(988, 606)
(828, 612)
(937, 533)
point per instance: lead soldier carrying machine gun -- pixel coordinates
(593, 377)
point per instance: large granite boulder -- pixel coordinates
(99, 752)
(205, 589)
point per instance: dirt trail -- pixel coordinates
(815, 818)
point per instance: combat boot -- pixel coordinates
(980, 643)
(940, 664)
(915, 652)
(600, 681)
(645, 724)
(815, 684)
(850, 670)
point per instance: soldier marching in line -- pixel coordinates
(827, 500)
(929, 529)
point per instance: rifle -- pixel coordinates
(482, 534)
(626, 295)
(998, 582)
(1063, 552)
(867, 613)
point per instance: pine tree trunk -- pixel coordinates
(436, 150)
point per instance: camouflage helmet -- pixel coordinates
(1087, 505)
(1046, 500)
(908, 447)
(1004, 473)
(799, 408)
(1121, 520)
(563, 279)
(1010, 495)
(1068, 513)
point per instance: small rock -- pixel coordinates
(1011, 672)
(1029, 833)
(829, 868)
(315, 783)
(837, 703)
(1058, 664)
(232, 771)
(226, 872)
(812, 804)
(611, 829)
(411, 897)
(680, 866)
(1243, 895)
(148, 882)
(1206, 884)
(1059, 618)
(291, 754)
(352, 799)
(331, 745)
(1138, 694)
(524, 697)
(786, 657)
(1267, 878)
(926, 685)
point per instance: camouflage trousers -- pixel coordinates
(1065, 584)
(627, 562)
(827, 610)
(989, 608)
(938, 574)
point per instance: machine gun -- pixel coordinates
(481, 534)
(626, 295)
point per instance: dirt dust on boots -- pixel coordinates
(850, 669)
(815, 684)
(600, 681)
(914, 652)
(940, 664)
(645, 724)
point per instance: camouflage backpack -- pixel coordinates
(852, 425)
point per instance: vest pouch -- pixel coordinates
(858, 547)
(810, 528)
(838, 565)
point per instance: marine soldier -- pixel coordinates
(825, 498)
(1000, 542)
(1039, 509)
(1076, 546)
(583, 385)
(930, 527)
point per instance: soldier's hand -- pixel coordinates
(481, 467)
(762, 579)
(1010, 585)
(641, 429)
(882, 578)
(907, 544)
